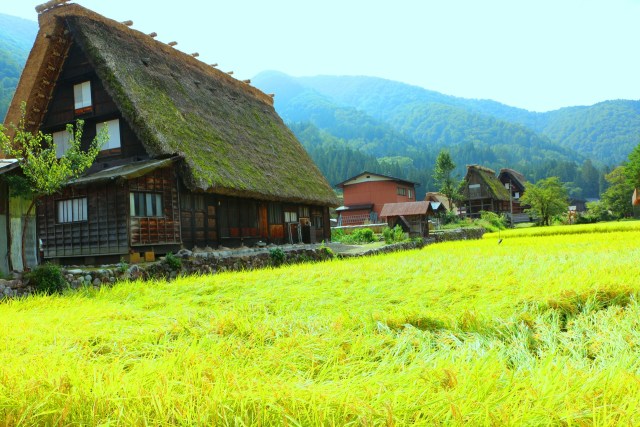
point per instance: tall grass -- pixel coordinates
(535, 330)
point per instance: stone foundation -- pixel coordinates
(211, 262)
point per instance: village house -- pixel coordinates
(484, 191)
(194, 156)
(366, 193)
(413, 217)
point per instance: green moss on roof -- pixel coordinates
(232, 142)
(491, 181)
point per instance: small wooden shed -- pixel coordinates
(413, 217)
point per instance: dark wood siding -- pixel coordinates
(163, 229)
(61, 111)
(104, 232)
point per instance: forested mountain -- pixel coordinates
(16, 38)
(402, 127)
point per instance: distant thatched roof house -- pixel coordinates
(223, 136)
(484, 191)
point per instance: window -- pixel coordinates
(291, 217)
(474, 190)
(146, 204)
(72, 210)
(275, 213)
(82, 97)
(304, 212)
(517, 195)
(409, 194)
(113, 129)
(62, 140)
(402, 191)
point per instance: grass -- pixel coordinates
(536, 330)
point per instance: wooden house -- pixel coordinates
(194, 157)
(413, 217)
(516, 183)
(366, 193)
(483, 191)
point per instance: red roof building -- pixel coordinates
(366, 193)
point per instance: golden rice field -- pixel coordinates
(536, 330)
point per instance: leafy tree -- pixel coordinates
(617, 198)
(442, 174)
(43, 173)
(632, 168)
(547, 198)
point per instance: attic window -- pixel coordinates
(474, 190)
(113, 129)
(82, 97)
(62, 140)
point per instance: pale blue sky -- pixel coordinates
(538, 55)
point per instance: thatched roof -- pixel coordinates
(492, 183)
(441, 198)
(230, 137)
(514, 176)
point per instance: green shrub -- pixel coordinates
(491, 221)
(47, 278)
(394, 235)
(277, 256)
(363, 235)
(358, 236)
(173, 261)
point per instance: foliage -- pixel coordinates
(36, 153)
(596, 211)
(491, 221)
(534, 331)
(547, 198)
(632, 168)
(277, 256)
(358, 236)
(47, 278)
(394, 235)
(442, 174)
(326, 251)
(617, 198)
(174, 262)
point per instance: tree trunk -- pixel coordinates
(24, 235)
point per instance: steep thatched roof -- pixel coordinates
(228, 133)
(514, 175)
(488, 177)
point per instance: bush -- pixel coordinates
(359, 236)
(173, 261)
(277, 256)
(47, 278)
(491, 221)
(394, 235)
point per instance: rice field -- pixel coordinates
(535, 330)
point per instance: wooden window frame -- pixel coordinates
(154, 201)
(68, 209)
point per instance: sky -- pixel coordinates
(535, 54)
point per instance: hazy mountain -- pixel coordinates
(16, 38)
(606, 131)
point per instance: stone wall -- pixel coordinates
(186, 263)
